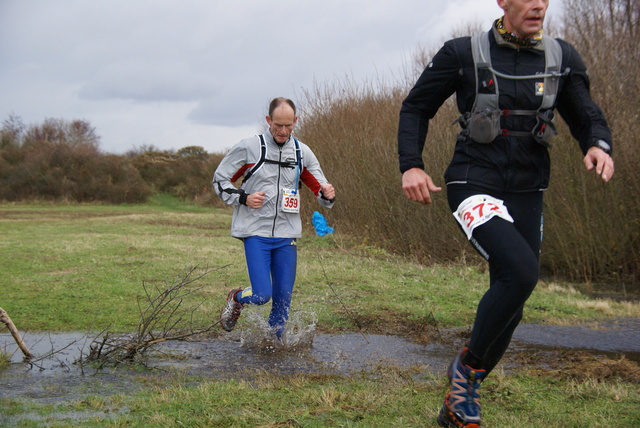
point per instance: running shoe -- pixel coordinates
(231, 312)
(461, 406)
(455, 362)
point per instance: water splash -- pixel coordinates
(259, 336)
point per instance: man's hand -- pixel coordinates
(598, 158)
(328, 191)
(417, 185)
(255, 200)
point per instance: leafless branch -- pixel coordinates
(6, 320)
(163, 317)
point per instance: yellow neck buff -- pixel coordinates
(523, 42)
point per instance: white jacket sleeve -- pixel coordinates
(231, 167)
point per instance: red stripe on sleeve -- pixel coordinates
(240, 172)
(310, 181)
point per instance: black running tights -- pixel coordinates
(512, 251)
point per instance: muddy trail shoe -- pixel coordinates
(461, 406)
(454, 363)
(231, 312)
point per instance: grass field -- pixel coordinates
(82, 268)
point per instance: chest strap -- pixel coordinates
(480, 48)
(263, 159)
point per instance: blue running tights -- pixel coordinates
(271, 263)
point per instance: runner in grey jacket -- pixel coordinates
(266, 211)
(278, 172)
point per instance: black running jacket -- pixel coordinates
(512, 164)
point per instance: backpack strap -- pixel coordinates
(299, 165)
(263, 159)
(480, 49)
(553, 63)
(257, 165)
(298, 154)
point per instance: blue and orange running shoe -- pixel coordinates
(455, 362)
(461, 406)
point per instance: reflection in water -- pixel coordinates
(252, 347)
(239, 354)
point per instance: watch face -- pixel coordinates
(604, 145)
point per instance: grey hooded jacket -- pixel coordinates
(278, 172)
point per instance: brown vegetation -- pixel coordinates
(60, 160)
(592, 231)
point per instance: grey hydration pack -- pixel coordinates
(285, 164)
(482, 124)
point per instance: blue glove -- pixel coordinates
(320, 224)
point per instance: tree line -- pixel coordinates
(60, 160)
(591, 230)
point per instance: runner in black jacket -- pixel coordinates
(495, 188)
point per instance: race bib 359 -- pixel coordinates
(290, 201)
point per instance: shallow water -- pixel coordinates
(57, 379)
(609, 337)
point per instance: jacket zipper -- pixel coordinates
(275, 215)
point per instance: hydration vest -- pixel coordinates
(482, 123)
(263, 159)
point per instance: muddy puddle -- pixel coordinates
(58, 378)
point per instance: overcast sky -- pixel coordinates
(176, 73)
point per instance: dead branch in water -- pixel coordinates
(6, 320)
(163, 318)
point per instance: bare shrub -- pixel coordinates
(12, 128)
(116, 181)
(163, 317)
(185, 174)
(58, 171)
(353, 131)
(61, 160)
(593, 230)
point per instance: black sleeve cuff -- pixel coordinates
(243, 198)
(606, 147)
(325, 198)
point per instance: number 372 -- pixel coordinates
(479, 211)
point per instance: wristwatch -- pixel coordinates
(606, 147)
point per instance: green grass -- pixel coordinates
(81, 268)
(405, 400)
